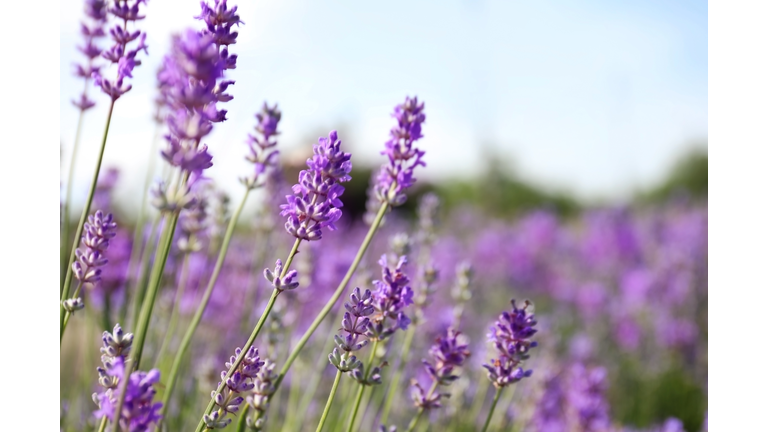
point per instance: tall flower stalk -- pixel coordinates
(313, 206)
(96, 10)
(397, 176)
(448, 353)
(264, 157)
(392, 296)
(354, 324)
(511, 336)
(191, 85)
(125, 60)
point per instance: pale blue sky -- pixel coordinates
(597, 97)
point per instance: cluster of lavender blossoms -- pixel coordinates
(448, 353)
(262, 154)
(96, 10)
(397, 176)
(139, 413)
(355, 324)
(119, 54)
(511, 336)
(390, 299)
(99, 229)
(263, 389)
(241, 381)
(315, 202)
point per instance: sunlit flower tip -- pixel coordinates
(73, 304)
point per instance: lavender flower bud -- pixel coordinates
(212, 421)
(73, 304)
(262, 155)
(99, 230)
(286, 282)
(393, 294)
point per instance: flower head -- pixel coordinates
(96, 10)
(99, 229)
(393, 293)
(315, 202)
(397, 175)
(262, 154)
(511, 336)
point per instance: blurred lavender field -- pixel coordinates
(618, 341)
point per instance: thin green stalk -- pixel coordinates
(362, 387)
(103, 424)
(395, 382)
(171, 329)
(493, 407)
(83, 217)
(140, 286)
(68, 197)
(418, 415)
(106, 319)
(187, 339)
(254, 334)
(138, 228)
(330, 401)
(314, 379)
(241, 422)
(161, 255)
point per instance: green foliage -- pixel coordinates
(689, 176)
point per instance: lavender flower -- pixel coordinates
(263, 389)
(241, 381)
(139, 412)
(262, 156)
(96, 10)
(393, 294)
(281, 283)
(511, 337)
(99, 230)
(315, 203)
(397, 176)
(360, 307)
(447, 354)
(219, 21)
(119, 54)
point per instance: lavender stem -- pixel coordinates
(171, 329)
(361, 388)
(140, 285)
(493, 407)
(254, 334)
(83, 217)
(187, 339)
(103, 424)
(330, 401)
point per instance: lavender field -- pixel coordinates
(328, 294)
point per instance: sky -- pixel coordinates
(594, 97)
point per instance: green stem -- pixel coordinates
(83, 217)
(161, 255)
(171, 329)
(339, 291)
(68, 197)
(493, 407)
(361, 387)
(241, 422)
(138, 228)
(140, 285)
(393, 386)
(254, 334)
(187, 339)
(477, 404)
(330, 401)
(314, 379)
(103, 424)
(418, 415)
